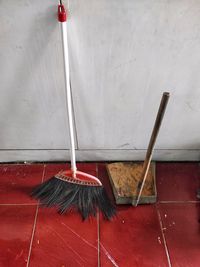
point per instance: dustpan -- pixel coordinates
(124, 178)
(135, 182)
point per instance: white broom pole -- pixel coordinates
(68, 92)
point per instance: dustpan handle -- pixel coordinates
(62, 17)
(156, 128)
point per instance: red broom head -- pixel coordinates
(78, 177)
(68, 190)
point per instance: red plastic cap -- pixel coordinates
(62, 14)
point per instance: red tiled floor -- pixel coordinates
(133, 237)
(177, 181)
(16, 224)
(52, 169)
(90, 168)
(182, 232)
(17, 181)
(64, 240)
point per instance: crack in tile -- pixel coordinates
(61, 238)
(83, 239)
(109, 256)
(19, 255)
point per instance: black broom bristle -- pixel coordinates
(65, 196)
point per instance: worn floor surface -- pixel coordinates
(160, 235)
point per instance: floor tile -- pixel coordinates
(133, 237)
(181, 229)
(65, 240)
(52, 169)
(16, 224)
(17, 181)
(90, 168)
(177, 181)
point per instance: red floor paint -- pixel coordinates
(133, 239)
(64, 240)
(53, 169)
(161, 235)
(182, 231)
(177, 181)
(17, 182)
(16, 225)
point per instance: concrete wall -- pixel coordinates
(123, 55)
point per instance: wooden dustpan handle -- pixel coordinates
(156, 128)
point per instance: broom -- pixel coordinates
(73, 189)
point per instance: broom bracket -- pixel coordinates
(62, 13)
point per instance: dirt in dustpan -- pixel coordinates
(124, 178)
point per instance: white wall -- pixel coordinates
(123, 55)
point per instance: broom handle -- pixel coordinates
(62, 19)
(159, 118)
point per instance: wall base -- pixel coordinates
(97, 155)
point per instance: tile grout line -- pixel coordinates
(98, 237)
(98, 226)
(34, 224)
(164, 239)
(32, 236)
(179, 201)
